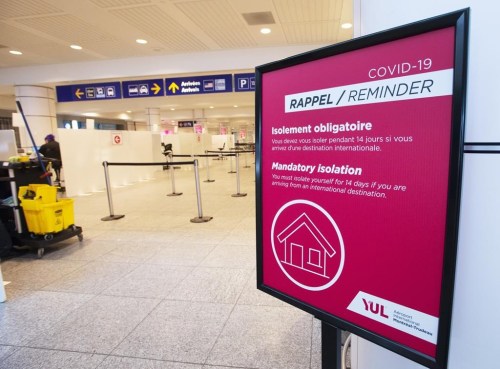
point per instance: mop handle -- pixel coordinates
(20, 108)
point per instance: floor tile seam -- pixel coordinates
(178, 284)
(60, 318)
(199, 266)
(206, 256)
(287, 307)
(137, 266)
(205, 362)
(50, 290)
(59, 323)
(65, 274)
(27, 346)
(227, 320)
(263, 305)
(159, 302)
(45, 288)
(16, 348)
(232, 367)
(172, 361)
(167, 299)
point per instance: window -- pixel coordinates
(314, 257)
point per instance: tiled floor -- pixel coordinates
(154, 290)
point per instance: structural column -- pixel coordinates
(153, 119)
(39, 106)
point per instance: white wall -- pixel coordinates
(189, 144)
(83, 152)
(475, 331)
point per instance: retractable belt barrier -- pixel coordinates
(206, 156)
(112, 216)
(236, 154)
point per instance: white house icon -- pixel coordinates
(305, 247)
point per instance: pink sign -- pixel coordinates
(198, 128)
(355, 157)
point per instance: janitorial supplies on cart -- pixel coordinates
(45, 214)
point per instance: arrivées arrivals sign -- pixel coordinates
(199, 85)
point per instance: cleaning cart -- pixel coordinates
(33, 216)
(48, 219)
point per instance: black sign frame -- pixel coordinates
(460, 20)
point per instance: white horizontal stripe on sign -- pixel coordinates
(417, 86)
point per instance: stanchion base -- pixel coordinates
(175, 194)
(201, 219)
(247, 166)
(209, 180)
(232, 171)
(112, 217)
(238, 194)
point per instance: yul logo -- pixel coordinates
(377, 309)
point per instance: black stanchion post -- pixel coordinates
(238, 194)
(173, 182)
(331, 346)
(200, 218)
(208, 169)
(108, 191)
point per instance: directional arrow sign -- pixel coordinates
(142, 88)
(173, 87)
(95, 91)
(156, 88)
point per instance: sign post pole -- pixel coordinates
(331, 346)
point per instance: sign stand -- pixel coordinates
(331, 346)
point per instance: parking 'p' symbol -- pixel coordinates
(243, 83)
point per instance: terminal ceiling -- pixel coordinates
(107, 29)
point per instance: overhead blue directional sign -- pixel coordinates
(199, 85)
(244, 82)
(95, 91)
(145, 88)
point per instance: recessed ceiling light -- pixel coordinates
(90, 114)
(76, 47)
(172, 108)
(141, 41)
(15, 52)
(211, 107)
(235, 106)
(129, 111)
(346, 25)
(265, 31)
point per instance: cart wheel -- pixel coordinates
(41, 251)
(48, 236)
(80, 237)
(74, 228)
(32, 235)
